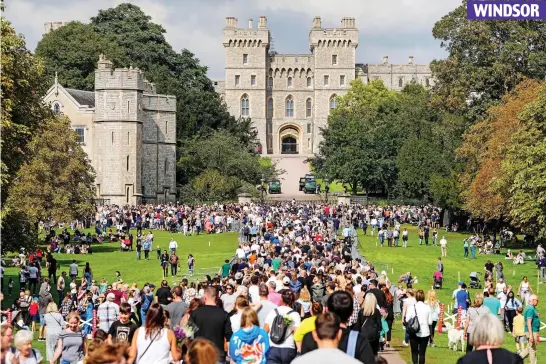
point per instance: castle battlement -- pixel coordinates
(246, 37)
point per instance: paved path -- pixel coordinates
(392, 356)
(295, 168)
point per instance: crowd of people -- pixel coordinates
(296, 290)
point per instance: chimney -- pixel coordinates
(317, 23)
(231, 22)
(386, 60)
(347, 22)
(103, 62)
(262, 22)
(250, 24)
(410, 60)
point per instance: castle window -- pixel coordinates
(56, 108)
(289, 82)
(400, 82)
(237, 78)
(334, 59)
(253, 80)
(289, 107)
(127, 162)
(129, 138)
(309, 128)
(112, 138)
(309, 82)
(270, 107)
(80, 130)
(308, 108)
(270, 82)
(427, 82)
(333, 102)
(326, 80)
(165, 166)
(245, 58)
(245, 105)
(342, 81)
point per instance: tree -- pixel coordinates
(358, 142)
(487, 59)
(23, 86)
(484, 147)
(525, 166)
(219, 165)
(56, 183)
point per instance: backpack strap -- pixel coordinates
(351, 345)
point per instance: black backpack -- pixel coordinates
(278, 329)
(370, 329)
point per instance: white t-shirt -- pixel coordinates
(240, 253)
(254, 292)
(30, 360)
(443, 243)
(325, 356)
(296, 320)
(236, 321)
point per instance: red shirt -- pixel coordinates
(33, 309)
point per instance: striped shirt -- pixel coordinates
(107, 313)
(72, 345)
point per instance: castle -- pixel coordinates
(128, 132)
(289, 96)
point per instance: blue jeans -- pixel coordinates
(396, 241)
(64, 361)
(473, 251)
(466, 252)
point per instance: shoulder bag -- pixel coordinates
(412, 325)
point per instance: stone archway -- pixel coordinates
(289, 140)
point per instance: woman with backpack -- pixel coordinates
(419, 332)
(280, 324)
(369, 321)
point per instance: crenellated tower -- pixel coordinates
(246, 71)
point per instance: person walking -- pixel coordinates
(174, 264)
(191, 263)
(532, 328)
(72, 344)
(473, 313)
(212, 321)
(284, 351)
(465, 247)
(173, 245)
(154, 343)
(405, 236)
(250, 343)
(369, 321)
(443, 246)
(53, 324)
(164, 259)
(419, 340)
(434, 305)
(327, 335)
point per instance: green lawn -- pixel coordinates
(421, 262)
(107, 259)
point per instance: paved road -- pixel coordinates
(294, 169)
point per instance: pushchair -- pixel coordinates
(475, 280)
(438, 280)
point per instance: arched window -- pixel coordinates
(333, 102)
(309, 82)
(56, 108)
(245, 106)
(289, 107)
(427, 82)
(289, 82)
(400, 82)
(308, 108)
(270, 107)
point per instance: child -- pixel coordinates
(10, 286)
(33, 312)
(158, 250)
(519, 330)
(103, 286)
(118, 276)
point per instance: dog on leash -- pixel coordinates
(454, 337)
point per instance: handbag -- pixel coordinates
(412, 325)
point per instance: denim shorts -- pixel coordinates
(42, 321)
(521, 339)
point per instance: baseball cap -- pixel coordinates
(238, 275)
(286, 281)
(460, 283)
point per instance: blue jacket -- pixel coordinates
(249, 346)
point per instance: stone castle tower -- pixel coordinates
(289, 96)
(128, 132)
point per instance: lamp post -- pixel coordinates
(326, 187)
(262, 187)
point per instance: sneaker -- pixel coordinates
(405, 343)
(432, 345)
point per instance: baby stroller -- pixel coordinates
(438, 279)
(475, 280)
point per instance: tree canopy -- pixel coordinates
(486, 60)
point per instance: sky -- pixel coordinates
(394, 28)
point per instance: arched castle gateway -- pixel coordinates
(289, 96)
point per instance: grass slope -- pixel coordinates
(421, 262)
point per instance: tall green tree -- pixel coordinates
(486, 60)
(525, 166)
(57, 182)
(358, 146)
(22, 89)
